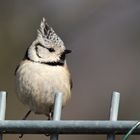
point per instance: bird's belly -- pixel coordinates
(37, 87)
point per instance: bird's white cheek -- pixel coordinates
(43, 53)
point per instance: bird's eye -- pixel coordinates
(51, 49)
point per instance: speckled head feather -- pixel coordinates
(48, 34)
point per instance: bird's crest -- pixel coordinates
(46, 32)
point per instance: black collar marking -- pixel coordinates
(58, 63)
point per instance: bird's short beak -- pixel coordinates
(67, 51)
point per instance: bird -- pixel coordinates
(42, 72)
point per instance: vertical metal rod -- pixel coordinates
(57, 111)
(114, 111)
(2, 107)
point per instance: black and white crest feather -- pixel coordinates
(48, 34)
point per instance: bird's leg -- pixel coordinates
(24, 118)
(50, 117)
(26, 115)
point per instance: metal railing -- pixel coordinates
(56, 126)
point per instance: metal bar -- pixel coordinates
(2, 107)
(57, 106)
(114, 111)
(57, 111)
(114, 106)
(66, 127)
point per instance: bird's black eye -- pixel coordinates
(51, 49)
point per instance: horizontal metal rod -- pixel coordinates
(66, 127)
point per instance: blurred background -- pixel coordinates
(104, 36)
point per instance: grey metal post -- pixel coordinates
(57, 111)
(2, 107)
(114, 111)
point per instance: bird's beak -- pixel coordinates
(67, 51)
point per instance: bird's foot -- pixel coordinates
(24, 118)
(21, 135)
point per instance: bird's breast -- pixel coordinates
(37, 84)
